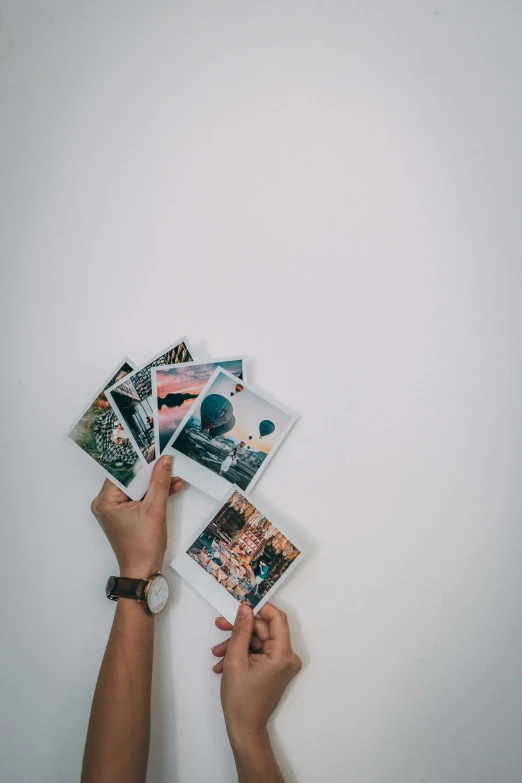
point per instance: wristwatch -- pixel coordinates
(153, 592)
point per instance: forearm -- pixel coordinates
(117, 745)
(255, 760)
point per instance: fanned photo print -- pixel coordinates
(229, 435)
(131, 398)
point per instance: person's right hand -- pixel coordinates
(258, 665)
(137, 530)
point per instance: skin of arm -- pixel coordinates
(257, 666)
(117, 744)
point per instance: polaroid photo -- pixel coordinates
(229, 435)
(238, 556)
(131, 399)
(176, 386)
(99, 433)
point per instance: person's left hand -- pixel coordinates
(258, 664)
(137, 530)
(260, 635)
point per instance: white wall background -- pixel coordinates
(333, 188)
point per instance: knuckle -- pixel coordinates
(230, 665)
(163, 483)
(291, 663)
(156, 513)
(162, 477)
(95, 506)
(152, 508)
(288, 661)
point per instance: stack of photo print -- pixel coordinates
(223, 433)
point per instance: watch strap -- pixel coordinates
(126, 587)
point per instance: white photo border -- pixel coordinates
(206, 585)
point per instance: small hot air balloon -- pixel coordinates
(250, 437)
(248, 447)
(239, 388)
(215, 411)
(266, 428)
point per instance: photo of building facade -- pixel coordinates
(133, 400)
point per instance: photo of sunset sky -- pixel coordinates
(177, 388)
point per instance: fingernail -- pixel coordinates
(168, 461)
(242, 612)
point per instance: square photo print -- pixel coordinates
(239, 556)
(176, 386)
(99, 433)
(131, 398)
(229, 435)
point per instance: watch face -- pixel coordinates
(158, 594)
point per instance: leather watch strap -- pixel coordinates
(125, 587)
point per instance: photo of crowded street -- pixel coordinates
(243, 551)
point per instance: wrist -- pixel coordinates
(140, 570)
(130, 609)
(254, 757)
(245, 741)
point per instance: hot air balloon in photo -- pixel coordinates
(239, 388)
(222, 429)
(266, 428)
(215, 411)
(250, 437)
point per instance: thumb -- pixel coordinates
(237, 651)
(159, 487)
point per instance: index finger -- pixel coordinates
(260, 627)
(277, 625)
